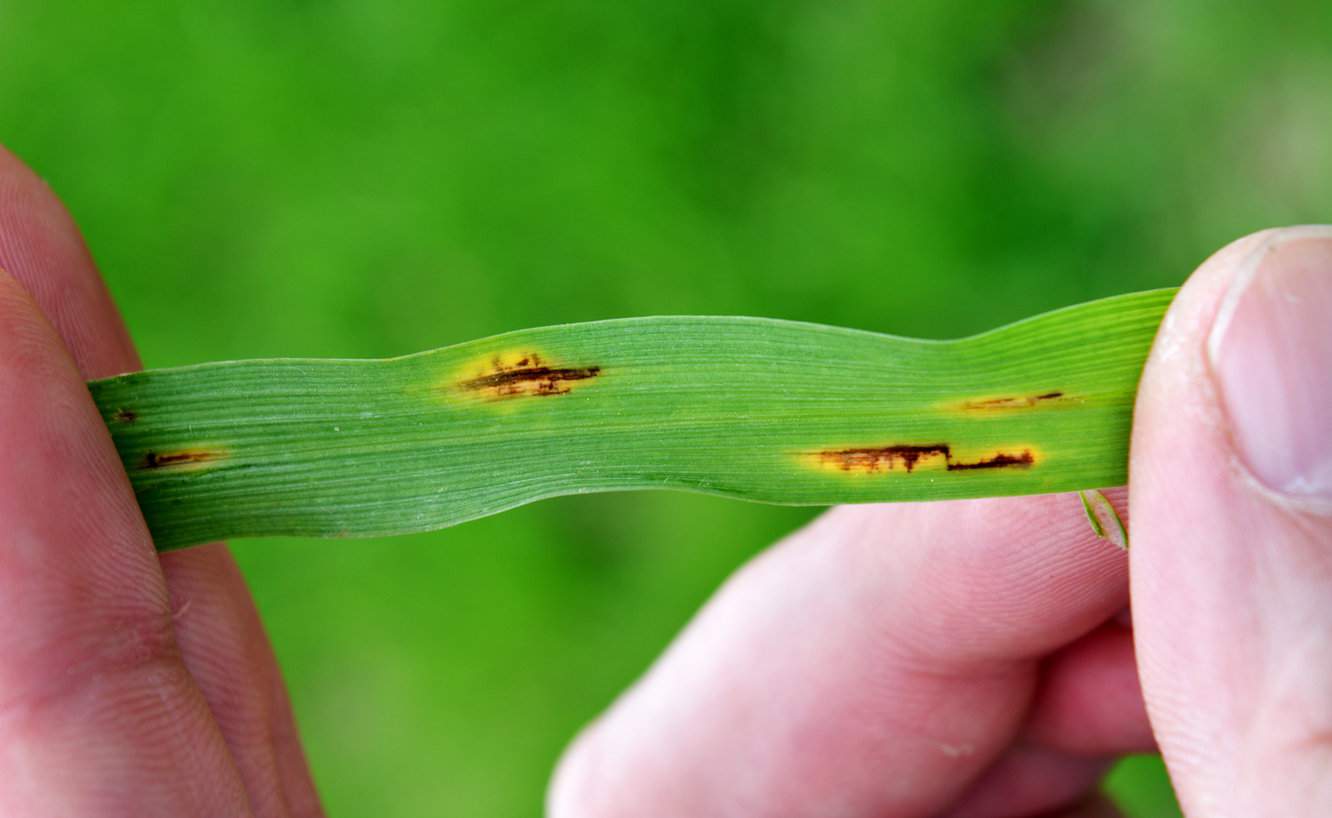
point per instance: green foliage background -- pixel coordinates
(361, 178)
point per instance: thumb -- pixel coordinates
(1231, 497)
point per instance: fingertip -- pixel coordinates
(568, 793)
(1230, 567)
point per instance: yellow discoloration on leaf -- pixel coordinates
(909, 458)
(1008, 403)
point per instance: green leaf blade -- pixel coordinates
(758, 409)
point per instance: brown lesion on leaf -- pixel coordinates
(525, 374)
(910, 456)
(125, 416)
(1050, 398)
(1003, 460)
(885, 458)
(181, 458)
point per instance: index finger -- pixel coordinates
(872, 664)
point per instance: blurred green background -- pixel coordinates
(363, 178)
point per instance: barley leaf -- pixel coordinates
(753, 408)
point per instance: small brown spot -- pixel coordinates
(527, 376)
(161, 460)
(1016, 402)
(125, 416)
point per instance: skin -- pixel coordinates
(962, 659)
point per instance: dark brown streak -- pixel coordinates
(125, 416)
(1013, 402)
(872, 459)
(153, 460)
(537, 378)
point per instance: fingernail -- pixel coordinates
(1271, 351)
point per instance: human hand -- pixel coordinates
(130, 684)
(965, 659)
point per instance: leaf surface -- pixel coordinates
(753, 408)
